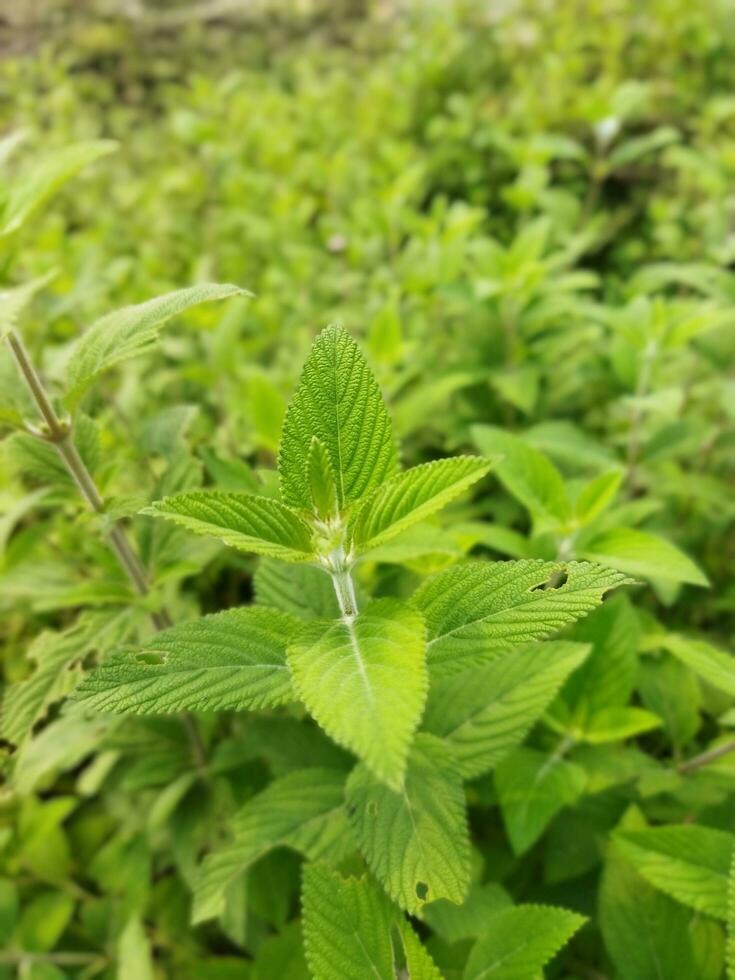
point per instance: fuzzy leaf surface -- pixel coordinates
(364, 681)
(484, 713)
(131, 331)
(412, 497)
(338, 401)
(415, 840)
(690, 863)
(518, 942)
(233, 660)
(478, 610)
(256, 524)
(347, 927)
(303, 810)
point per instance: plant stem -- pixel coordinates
(338, 568)
(636, 419)
(704, 758)
(13, 957)
(59, 433)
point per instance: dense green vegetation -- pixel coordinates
(524, 215)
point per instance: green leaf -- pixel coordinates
(714, 666)
(467, 921)
(526, 473)
(240, 520)
(616, 723)
(364, 681)
(233, 660)
(629, 909)
(419, 964)
(45, 177)
(731, 921)
(347, 927)
(412, 497)
(518, 942)
(484, 713)
(597, 495)
(338, 401)
(131, 331)
(414, 840)
(303, 810)
(321, 481)
(134, 956)
(476, 611)
(14, 301)
(642, 553)
(532, 788)
(302, 590)
(689, 863)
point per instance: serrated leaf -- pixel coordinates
(532, 788)
(414, 840)
(302, 590)
(230, 661)
(518, 942)
(256, 524)
(347, 925)
(419, 964)
(338, 401)
(484, 713)
(642, 553)
(526, 473)
(13, 302)
(412, 497)
(714, 666)
(303, 810)
(131, 331)
(321, 481)
(689, 863)
(364, 681)
(45, 177)
(475, 612)
(631, 908)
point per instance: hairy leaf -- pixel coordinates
(302, 590)
(338, 401)
(364, 681)
(303, 810)
(690, 863)
(232, 660)
(240, 520)
(45, 177)
(132, 331)
(411, 497)
(414, 840)
(476, 611)
(518, 942)
(347, 926)
(485, 712)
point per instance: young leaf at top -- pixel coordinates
(518, 942)
(690, 863)
(257, 524)
(347, 927)
(478, 610)
(131, 331)
(412, 497)
(303, 810)
(45, 177)
(321, 481)
(414, 840)
(364, 681)
(485, 712)
(338, 401)
(233, 660)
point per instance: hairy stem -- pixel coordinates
(59, 433)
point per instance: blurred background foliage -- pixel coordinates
(524, 211)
